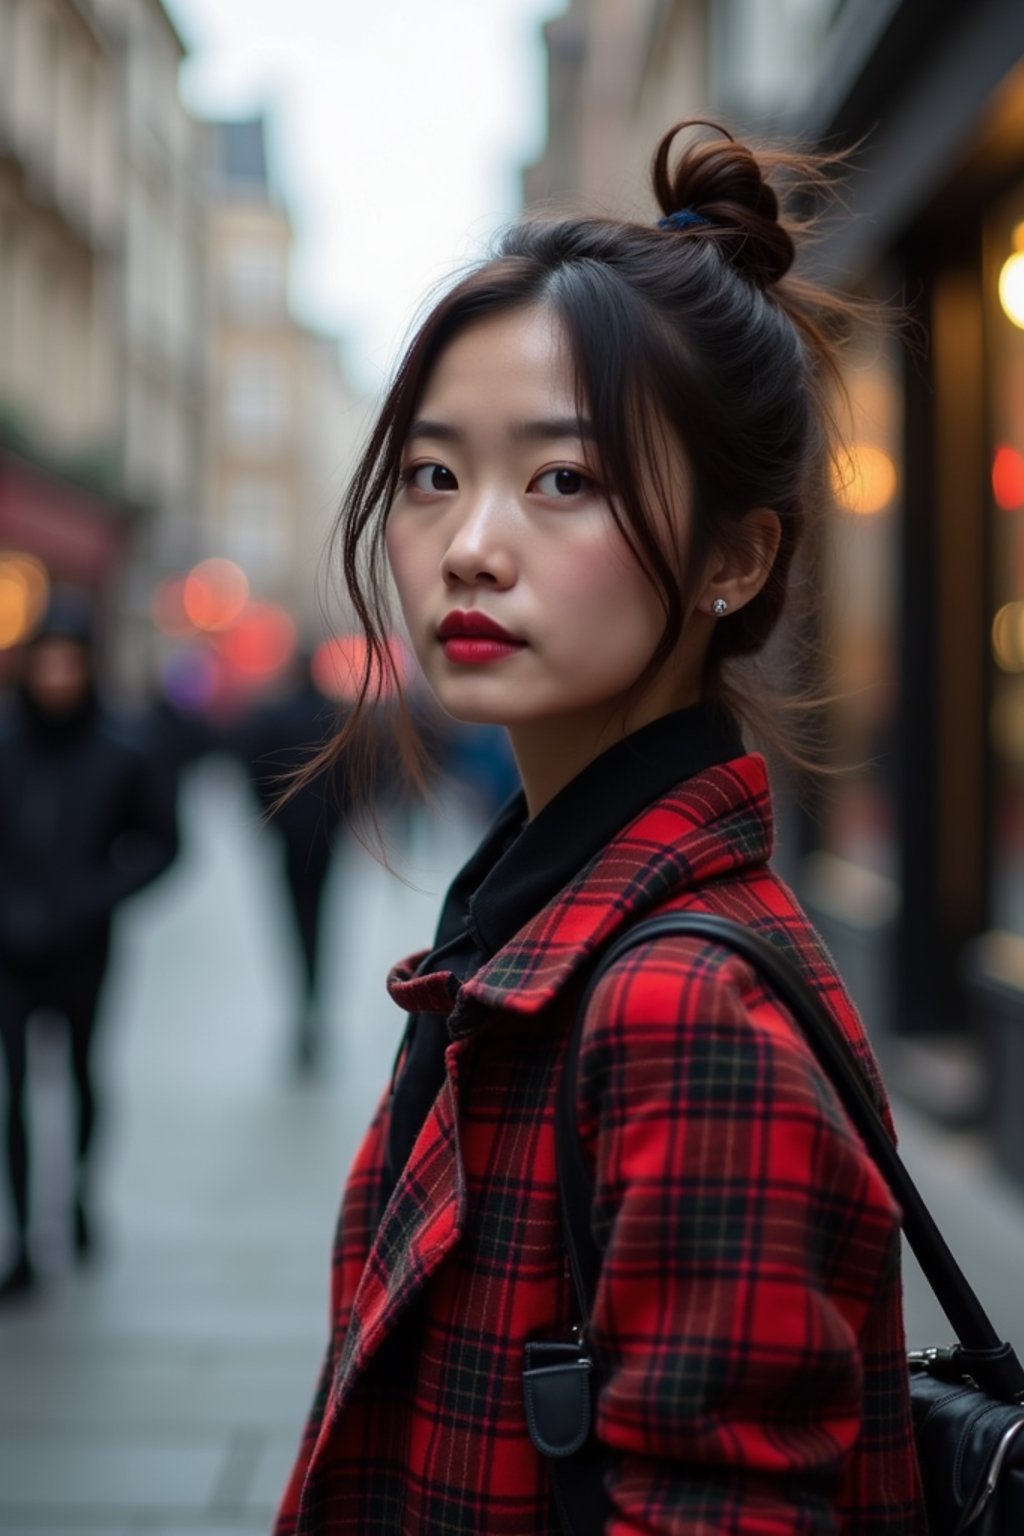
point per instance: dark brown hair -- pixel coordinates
(697, 328)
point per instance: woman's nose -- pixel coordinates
(480, 549)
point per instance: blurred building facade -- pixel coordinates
(617, 76)
(102, 261)
(160, 309)
(159, 402)
(61, 227)
(914, 862)
(284, 421)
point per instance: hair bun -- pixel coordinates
(724, 183)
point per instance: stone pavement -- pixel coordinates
(163, 1391)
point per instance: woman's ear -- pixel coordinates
(737, 574)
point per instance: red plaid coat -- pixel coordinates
(748, 1319)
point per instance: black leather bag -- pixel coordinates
(966, 1400)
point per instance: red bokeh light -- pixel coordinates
(1008, 478)
(261, 642)
(338, 665)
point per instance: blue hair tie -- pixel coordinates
(683, 218)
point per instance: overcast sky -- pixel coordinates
(398, 130)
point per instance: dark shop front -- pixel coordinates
(917, 866)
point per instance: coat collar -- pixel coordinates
(716, 824)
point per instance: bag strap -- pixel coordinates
(989, 1360)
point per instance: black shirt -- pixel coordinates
(522, 864)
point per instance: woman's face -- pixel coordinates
(523, 602)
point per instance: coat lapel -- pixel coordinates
(421, 1224)
(714, 825)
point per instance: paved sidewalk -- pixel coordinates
(163, 1391)
(980, 1212)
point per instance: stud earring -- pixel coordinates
(719, 606)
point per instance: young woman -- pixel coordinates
(589, 478)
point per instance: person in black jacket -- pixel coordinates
(272, 743)
(83, 825)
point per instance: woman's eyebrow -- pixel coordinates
(546, 430)
(555, 427)
(440, 431)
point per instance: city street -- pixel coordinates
(163, 1390)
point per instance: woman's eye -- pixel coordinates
(431, 477)
(562, 482)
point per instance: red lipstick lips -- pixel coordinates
(459, 623)
(472, 638)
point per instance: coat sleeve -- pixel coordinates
(746, 1235)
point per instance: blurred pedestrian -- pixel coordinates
(589, 478)
(84, 823)
(274, 742)
(179, 737)
(480, 762)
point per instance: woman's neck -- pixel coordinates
(550, 753)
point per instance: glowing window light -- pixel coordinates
(14, 621)
(215, 593)
(24, 588)
(1008, 637)
(1011, 284)
(864, 479)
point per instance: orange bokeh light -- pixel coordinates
(261, 642)
(864, 479)
(24, 588)
(1008, 478)
(1008, 637)
(1011, 284)
(215, 593)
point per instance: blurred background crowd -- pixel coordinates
(180, 407)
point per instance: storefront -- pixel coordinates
(916, 868)
(53, 529)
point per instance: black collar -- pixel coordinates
(521, 864)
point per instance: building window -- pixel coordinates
(6, 285)
(49, 335)
(47, 94)
(81, 148)
(767, 56)
(256, 400)
(255, 281)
